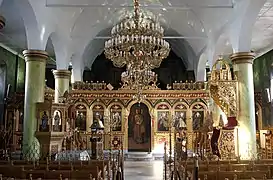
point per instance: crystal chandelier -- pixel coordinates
(140, 79)
(139, 96)
(137, 40)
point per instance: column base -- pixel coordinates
(31, 151)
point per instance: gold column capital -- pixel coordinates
(242, 58)
(61, 74)
(2, 22)
(35, 55)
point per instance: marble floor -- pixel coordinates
(148, 170)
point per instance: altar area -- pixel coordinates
(189, 109)
(188, 120)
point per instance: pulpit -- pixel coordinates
(223, 91)
(51, 122)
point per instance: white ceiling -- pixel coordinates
(81, 26)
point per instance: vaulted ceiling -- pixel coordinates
(75, 30)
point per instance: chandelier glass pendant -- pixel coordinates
(137, 40)
(139, 79)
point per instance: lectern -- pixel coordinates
(96, 139)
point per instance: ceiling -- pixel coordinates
(75, 30)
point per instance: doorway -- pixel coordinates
(139, 128)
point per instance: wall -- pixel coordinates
(261, 71)
(15, 70)
(171, 69)
(15, 76)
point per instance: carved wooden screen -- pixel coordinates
(180, 117)
(57, 120)
(98, 112)
(81, 117)
(198, 116)
(116, 117)
(163, 118)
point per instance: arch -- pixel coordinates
(88, 124)
(62, 51)
(122, 128)
(181, 48)
(49, 47)
(151, 112)
(144, 102)
(163, 103)
(29, 17)
(92, 107)
(139, 129)
(241, 35)
(200, 103)
(201, 68)
(116, 102)
(181, 102)
(181, 116)
(197, 116)
(97, 103)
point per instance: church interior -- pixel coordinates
(136, 89)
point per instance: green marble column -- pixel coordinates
(62, 79)
(34, 93)
(242, 66)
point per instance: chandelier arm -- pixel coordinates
(136, 8)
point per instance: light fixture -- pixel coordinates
(137, 40)
(138, 79)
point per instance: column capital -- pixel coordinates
(61, 73)
(35, 55)
(242, 58)
(2, 22)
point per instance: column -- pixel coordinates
(62, 79)
(270, 99)
(34, 93)
(242, 66)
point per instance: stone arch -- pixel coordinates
(201, 68)
(241, 35)
(28, 15)
(61, 49)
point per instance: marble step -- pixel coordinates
(138, 156)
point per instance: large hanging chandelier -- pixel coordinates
(137, 40)
(139, 79)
